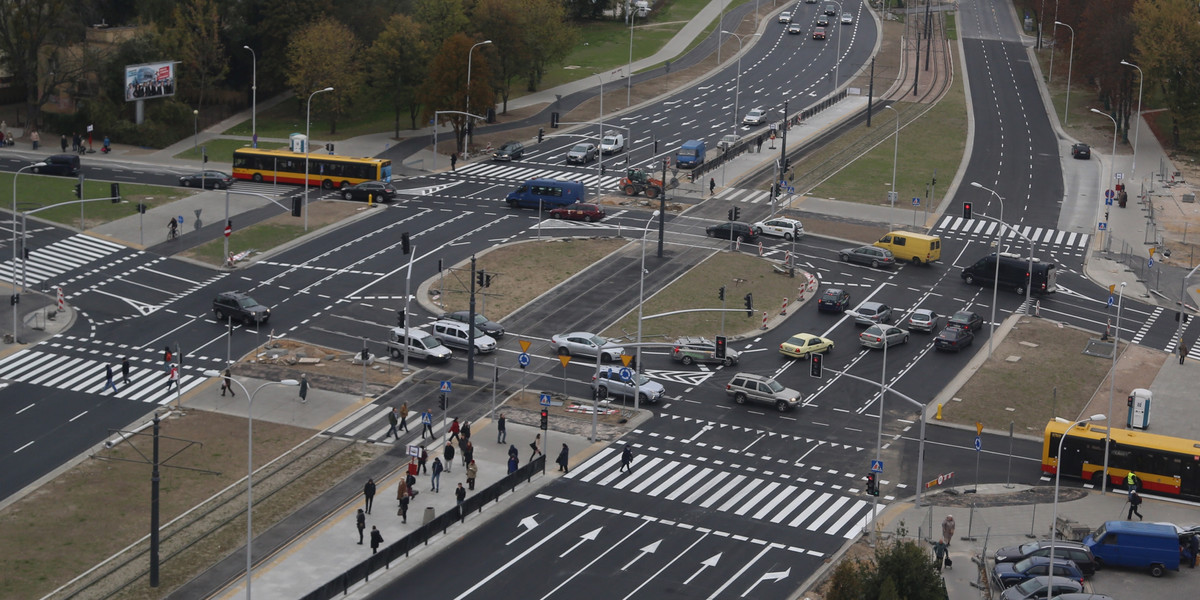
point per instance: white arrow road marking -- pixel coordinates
(711, 562)
(730, 581)
(773, 576)
(698, 434)
(142, 308)
(522, 555)
(589, 565)
(649, 549)
(528, 523)
(671, 562)
(587, 537)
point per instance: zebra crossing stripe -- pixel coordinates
(376, 412)
(679, 491)
(793, 505)
(762, 494)
(741, 492)
(654, 477)
(589, 463)
(717, 496)
(779, 498)
(671, 480)
(832, 510)
(700, 491)
(811, 509)
(846, 516)
(628, 480)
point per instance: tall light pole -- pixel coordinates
(253, 98)
(600, 140)
(1052, 46)
(1112, 382)
(195, 129)
(629, 69)
(1058, 471)
(1070, 64)
(307, 145)
(14, 246)
(468, 111)
(1137, 125)
(1182, 305)
(837, 59)
(737, 87)
(642, 298)
(1112, 159)
(895, 152)
(996, 280)
(250, 462)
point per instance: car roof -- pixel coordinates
(875, 305)
(831, 291)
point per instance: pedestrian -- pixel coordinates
(402, 496)
(108, 379)
(460, 494)
(173, 378)
(563, 456)
(465, 432)
(1135, 500)
(1193, 550)
(472, 472)
(1131, 481)
(369, 493)
(410, 481)
(63, 142)
(535, 446)
(435, 479)
(421, 460)
(360, 521)
(948, 529)
(404, 417)
(453, 160)
(454, 429)
(512, 451)
(449, 454)
(393, 420)
(167, 352)
(627, 459)
(227, 383)
(760, 142)
(940, 551)
(1182, 352)
(426, 424)
(125, 370)
(712, 185)
(501, 432)
(376, 539)
(512, 465)
(468, 452)
(76, 142)
(402, 488)
(35, 138)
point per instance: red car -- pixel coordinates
(819, 33)
(580, 211)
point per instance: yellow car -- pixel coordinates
(803, 344)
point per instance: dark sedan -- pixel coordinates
(732, 230)
(489, 327)
(580, 211)
(1083, 151)
(211, 180)
(953, 339)
(834, 300)
(965, 319)
(868, 255)
(379, 191)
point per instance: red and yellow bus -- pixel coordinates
(327, 171)
(1166, 465)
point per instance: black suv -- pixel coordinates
(509, 151)
(239, 307)
(732, 230)
(1083, 151)
(834, 300)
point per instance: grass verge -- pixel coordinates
(37, 191)
(220, 151)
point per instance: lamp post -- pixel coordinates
(600, 140)
(253, 98)
(641, 298)
(996, 280)
(1052, 46)
(837, 59)
(195, 129)
(1057, 471)
(1137, 125)
(1070, 64)
(879, 428)
(737, 87)
(14, 245)
(1112, 381)
(468, 111)
(307, 144)
(629, 69)
(895, 152)
(250, 460)
(1113, 157)
(1182, 304)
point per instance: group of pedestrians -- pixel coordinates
(108, 375)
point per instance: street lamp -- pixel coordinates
(468, 111)
(1112, 159)
(307, 144)
(895, 152)
(837, 59)
(14, 245)
(600, 141)
(1183, 304)
(641, 298)
(996, 280)
(1137, 126)
(250, 460)
(629, 69)
(1071, 63)
(195, 129)
(1058, 471)
(1112, 381)
(737, 88)
(253, 98)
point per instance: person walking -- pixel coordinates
(627, 459)
(435, 479)
(426, 424)
(369, 493)
(712, 184)
(468, 452)
(460, 494)
(108, 379)
(948, 529)
(173, 378)
(410, 481)
(501, 432)
(449, 454)
(1135, 500)
(167, 355)
(1131, 481)
(1182, 352)
(125, 370)
(535, 446)
(35, 138)
(512, 464)
(63, 142)
(227, 383)
(393, 420)
(404, 417)
(465, 432)
(563, 456)
(472, 472)
(940, 551)
(360, 521)
(453, 160)
(422, 459)
(376, 539)
(402, 497)
(454, 429)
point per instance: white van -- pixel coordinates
(421, 344)
(456, 334)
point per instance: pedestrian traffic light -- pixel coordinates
(541, 134)
(554, 120)
(480, 278)
(737, 213)
(966, 210)
(329, 147)
(787, 163)
(442, 401)
(366, 354)
(141, 207)
(115, 192)
(14, 299)
(721, 293)
(296, 206)
(545, 419)
(79, 191)
(730, 213)
(720, 347)
(872, 485)
(405, 247)
(814, 367)
(400, 318)
(749, 305)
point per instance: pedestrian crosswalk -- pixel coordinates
(147, 380)
(518, 173)
(270, 189)
(744, 195)
(370, 423)
(57, 258)
(793, 501)
(986, 228)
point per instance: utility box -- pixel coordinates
(1189, 198)
(1139, 409)
(298, 143)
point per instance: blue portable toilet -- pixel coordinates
(1139, 409)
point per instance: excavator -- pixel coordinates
(636, 181)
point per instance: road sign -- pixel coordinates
(916, 201)
(626, 374)
(1109, 194)
(978, 444)
(544, 399)
(1108, 201)
(626, 359)
(565, 359)
(523, 359)
(1150, 263)
(445, 387)
(1110, 301)
(1102, 226)
(414, 451)
(1119, 176)
(524, 345)
(790, 190)
(978, 428)
(877, 466)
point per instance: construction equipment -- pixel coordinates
(636, 181)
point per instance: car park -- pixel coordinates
(822, 21)
(870, 313)
(57, 164)
(1081, 150)
(580, 211)
(762, 389)
(780, 227)
(237, 306)
(819, 33)
(756, 115)
(582, 154)
(582, 343)
(419, 344)
(847, 18)
(457, 334)
(804, 344)
(211, 180)
(690, 350)
(379, 191)
(923, 319)
(834, 300)
(876, 258)
(785, 17)
(610, 383)
(1075, 551)
(511, 150)
(965, 319)
(732, 230)
(489, 327)
(794, 28)
(953, 339)
(877, 335)
(1041, 587)
(1008, 574)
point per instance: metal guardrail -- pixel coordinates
(340, 585)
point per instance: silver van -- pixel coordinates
(456, 335)
(421, 344)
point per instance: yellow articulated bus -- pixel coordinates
(327, 171)
(1166, 465)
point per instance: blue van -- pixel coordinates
(547, 193)
(1137, 545)
(690, 154)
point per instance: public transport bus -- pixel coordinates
(1166, 465)
(327, 171)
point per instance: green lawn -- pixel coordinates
(261, 237)
(285, 118)
(220, 151)
(35, 191)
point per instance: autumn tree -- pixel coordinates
(270, 26)
(195, 34)
(398, 63)
(504, 24)
(29, 31)
(548, 37)
(316, 63)
(1169, 56)
(441, 19)
(446, 85)
(1108, 41)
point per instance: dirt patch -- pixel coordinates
(336, 371)
(571, 415)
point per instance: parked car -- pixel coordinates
(756, 115)
(1009, 574)
(211, 180)
(819, 33)
(924, 319)
(609, 382)
(834, 300)
(785, 17)
(804, 344)
(732, 230)
(1081, 150)
(380, 191)
(690, 350)
(1040, 587)
(580, 211)
(847, 18)
(582, 154)
(511, 150)
(965, 319)
(582, 343)
(868, 255)
(876, 336)
(763, 389)
(953, 339)
(489, 327)
(780, 227)
(1075, 551)
(239, 307)
(871, 313)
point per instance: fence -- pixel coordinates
(340, 585)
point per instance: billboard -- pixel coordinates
(151, 80)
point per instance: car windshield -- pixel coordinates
(247, 302)
(580, 148)
(432, 342)
(1029, 586)
(480, 319)
(1023, 565)
(597, 341)
(774, 386)
(874, 330)
(610, 141)
(642, 379)
(1027, 548)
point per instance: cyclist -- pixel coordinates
(173, 229)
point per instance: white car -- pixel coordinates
(847, 18)
(754, 117)
(795, 28)
(582, 343)
(612, 143)
(780, 227)
(785, 17)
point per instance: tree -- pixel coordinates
(900, 569)
(272, 24)
(29, 31)
(1169, 56)
(195, 33)
(1108, 40)
(441, 19)
(316, 64)
(447, 80)
(548, 37)
(503, 21)
(398, 60)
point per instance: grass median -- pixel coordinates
(220, 151)
(37, 191)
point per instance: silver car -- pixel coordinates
(610, 382)
(582, 343)
(760, 388)
(582, 154)
(925, 320)
(877, 335)
(870, 313)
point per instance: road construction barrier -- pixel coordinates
(764, 325)
(783, 309)
(61, 302)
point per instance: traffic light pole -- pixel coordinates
(471, 328)
(407, 297)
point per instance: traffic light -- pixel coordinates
(787, 163)
(776, 190)
(329, 147)
(480, 278)
(872, 485)
(731, 218)
(966, 210)
(720, 347)
(749, 305)
(366, 354)
(115, 192)
(814, 366)
(554, 120)
(400, 318)
(721, 293)
(295, 206)
(14, 299)
(737, 213)
(442, 401)
(545, 419)
(79, 191)
(405, 247)
(541, 134)
(204, 154)
(141, 207)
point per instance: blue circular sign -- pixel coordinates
(626, 374)
(523, 359)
